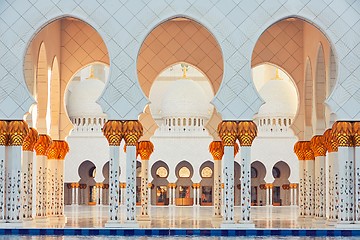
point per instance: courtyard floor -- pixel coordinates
(181, 218)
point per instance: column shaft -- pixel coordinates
(130, 183)
(228, 172)
(217, 188)
(114, 184)
(13, 183)
(245, 184)
(309, 189)
(41, 186)
(144, 184)
(2, 183)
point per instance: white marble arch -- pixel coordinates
(235, 33)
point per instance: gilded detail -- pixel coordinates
(308, 152)
(228, 132)
(356, 131)
(318, 145)
(145, 149)
(42, 144)
(299, 150)
(247, 132)
(30, 140)
(236, 148)
(343, 132)
(17, 132)
(113, 132)
(132, 130)
(63, 149)
(52, 151)
(216, 148)
(330, 141)
(4, 136)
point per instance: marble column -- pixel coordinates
(247, 132)
(149, 186)
(27, 173)
(356, 132)
(216, 148)
(300, 153)
(198, 194)
(4, 138)
(41, 147)
(332, 148)
(17, 131)
(319, 149)
(52, 154)
(309, 179)
(291, 195)
(267, 195)
(227, 131)
(132, 132)
(113, 132)
(194, 186)
(174, 194)
(60, 201)
(343, 132)
(270, 186)
(145, 149)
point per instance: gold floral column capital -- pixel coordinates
(318, 145)
(247, 132)
(343, 132)
(299, 150)
(308, 152)
(42, 144)
(145, 149)
(356, 132)
(52, 152)
(330, 141)
(132, 131)
(63, 149)
(228, 132)
(4, 136)
(30, 140)
(216, 148)
(17, 130)
(112, 130)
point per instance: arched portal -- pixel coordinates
(87, 173)
(281, 193)
(70, 45)
(288, 43)
(258, 173)
(207, 183)
(159, 189)
(184, 195)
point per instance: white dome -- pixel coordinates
(185, 98)
(280, 99)
(82, 100)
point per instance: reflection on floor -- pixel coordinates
(180, 217)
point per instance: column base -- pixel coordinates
(217, 218)
(347, 225)
(18, 224)
(331, 222)
(143, 218)
(42, 219)
(319, 221)
(237, 225)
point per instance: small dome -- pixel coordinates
(82, 100)
(280, 99)
(185, 98)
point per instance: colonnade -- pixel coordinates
(340, 145)
(17, 145)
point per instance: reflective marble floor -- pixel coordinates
(180, 217)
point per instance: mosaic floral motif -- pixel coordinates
(114, 191)
(2, 190)
(130, 190)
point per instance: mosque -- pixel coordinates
(219, 104)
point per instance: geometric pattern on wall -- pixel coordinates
(236, 25)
